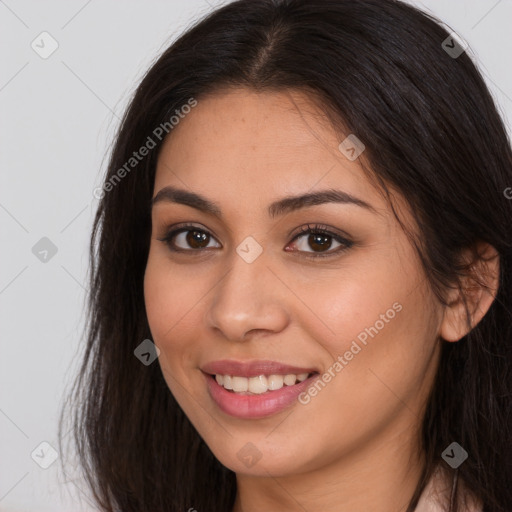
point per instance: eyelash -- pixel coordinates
(314, 229)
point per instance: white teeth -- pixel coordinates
(290, 379)
(260, 384)
(240, 384)
(275, 382)
(228, 382)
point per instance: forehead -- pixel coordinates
(241, 143)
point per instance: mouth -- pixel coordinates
(256, 389)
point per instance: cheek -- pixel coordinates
(159, 302)
(378, 323)
(175, 298)
(169, 303)
(342, 304)
(167, 317)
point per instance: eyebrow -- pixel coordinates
(277, 208)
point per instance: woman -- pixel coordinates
(301, 273)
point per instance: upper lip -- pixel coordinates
(252, 368)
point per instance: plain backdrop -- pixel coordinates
(58, 117)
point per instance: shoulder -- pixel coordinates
(436, 495)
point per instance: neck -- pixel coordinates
(382, 475)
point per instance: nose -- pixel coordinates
(249, 299)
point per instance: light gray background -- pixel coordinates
(58, 117)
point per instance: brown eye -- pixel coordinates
(187, 239)
(196, 239)
(317, 240)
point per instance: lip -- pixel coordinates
(256, 406)
(252, 368)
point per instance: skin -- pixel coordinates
(354, 447)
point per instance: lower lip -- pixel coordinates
(255, 406)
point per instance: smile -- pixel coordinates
(257, 388)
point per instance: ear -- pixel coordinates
(479, 288)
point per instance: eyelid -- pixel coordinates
(321, 228)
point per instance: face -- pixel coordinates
(330, 288)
